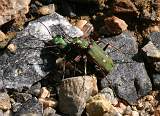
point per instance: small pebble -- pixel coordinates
(135, 113)
(12, 48)
(115, 25)
(48, 103)
(80, 24)
(4, 101)
(44, 93)
(45, 10)
(2, 36)
(149, 98)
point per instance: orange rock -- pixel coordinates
(81, 23)
(115, 25)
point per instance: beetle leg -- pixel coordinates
(85, 64)
(64, 69)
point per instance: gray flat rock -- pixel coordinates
(128, 78)
(32, 61)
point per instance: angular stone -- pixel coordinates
(109, 95)
(151, 51)
(128, 78)
(73, 93)
(4, 101)
(114, 25)
(45, 10)
(30, 107)
(32, 61)
(12, 48)
(9, 9)
(2, 36)
(98, 105)
(3, 42)
(80, 24)
(48, 102)
(44, 93)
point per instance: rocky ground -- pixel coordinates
(35, 80)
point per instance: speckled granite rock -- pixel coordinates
(129, 78)
(32, 61)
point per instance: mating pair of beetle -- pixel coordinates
(74, 47)
(78, 45)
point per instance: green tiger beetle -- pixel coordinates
(73, 47)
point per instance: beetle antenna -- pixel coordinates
(45, 27)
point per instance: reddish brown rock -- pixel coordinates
(114, 25)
